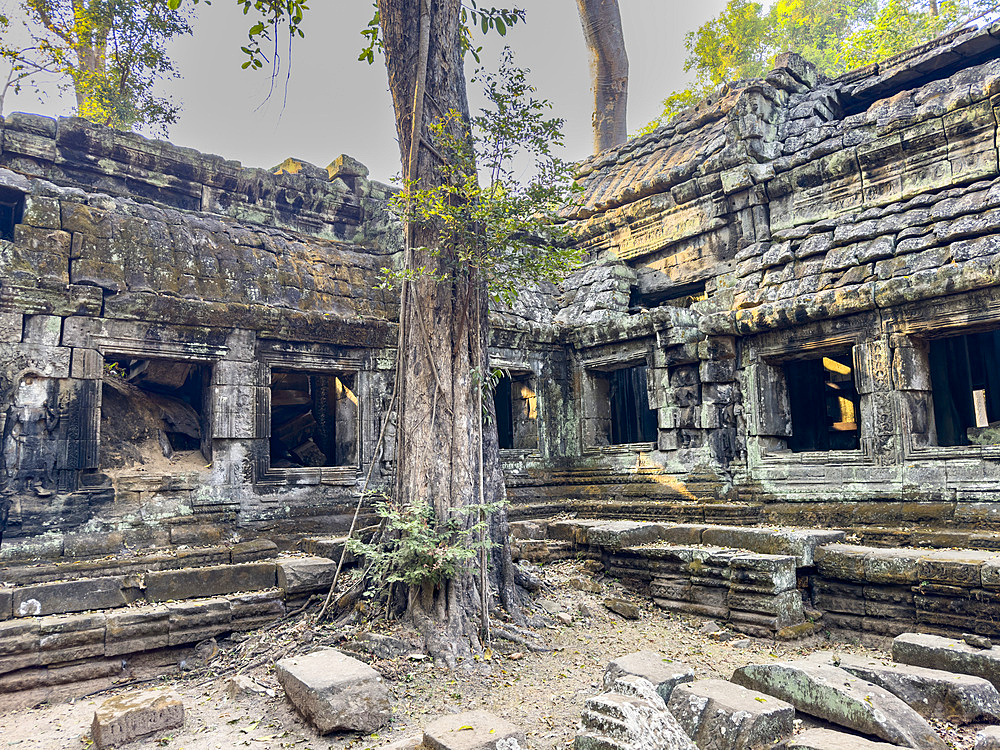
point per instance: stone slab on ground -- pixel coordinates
(612, 721)
(830, 693)
(473, 730)
(724, 716)
(932, 693)
(949, 654)
(335, 692)
(125, 718)
(298, 575)
(988, 739)
(828, 739)
(626, 609)
(663, 672)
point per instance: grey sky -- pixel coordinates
(336, 104)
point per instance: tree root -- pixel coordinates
(520, 640)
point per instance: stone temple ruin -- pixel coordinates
(788, 317)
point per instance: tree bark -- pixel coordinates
(442, 327)
(602, 30)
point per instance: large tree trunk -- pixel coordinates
(442, 336)
(602, 30)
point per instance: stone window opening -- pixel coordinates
(965, 388)
(11, 211)
(676, 296)
(619, 407)
(516, 405)
(823, 403)
(154, 414)
(314, 419)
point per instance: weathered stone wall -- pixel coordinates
(786, 219)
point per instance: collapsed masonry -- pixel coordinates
(788, 312)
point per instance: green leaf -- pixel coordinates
(501, 27)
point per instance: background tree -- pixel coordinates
(111, 53)
(602, 31)
(835, 35)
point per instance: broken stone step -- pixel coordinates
(335, 692)
(948, 654)
(473, 730)
(724, 716)
(125, 718)
(932, 693)
(829, 739)
(302, 575)
(830, 693)
(629, 722)
(664, 673)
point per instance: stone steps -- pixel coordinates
(150, 560)
(87, 628)
(745, 576)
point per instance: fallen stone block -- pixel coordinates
(239, 686)
(828, 739)
(473, 730)
(932, 693)
(664, 673)
(297, 575)
(948, 654)
(830, 693)
(724, 716)
(621, 607)
(988, 739)
(612, 721)
(335, 692)
(124, 718)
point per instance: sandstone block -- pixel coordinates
(948, 654)
(621, 607)
(69, 596)
(664, 673)
(125, 718)
(988, 739)
(473, 730)
(829, 739)
(298, 575)
(618, 534)
(932, 693)
(719, 714)
(612, 721)
(335, 692)
(215, 580)
(832, 694)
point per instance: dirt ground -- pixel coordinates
(543, 692)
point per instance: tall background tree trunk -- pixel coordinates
(442, 328)
(602, 30)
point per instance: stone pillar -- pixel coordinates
(911, 379)
(873, 379)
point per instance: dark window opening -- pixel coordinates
(965, 383)
(677, 296)
(823, 401)
(11, 211)
(517, 411)
(155, 409)
(314, 419)
(632, 421)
